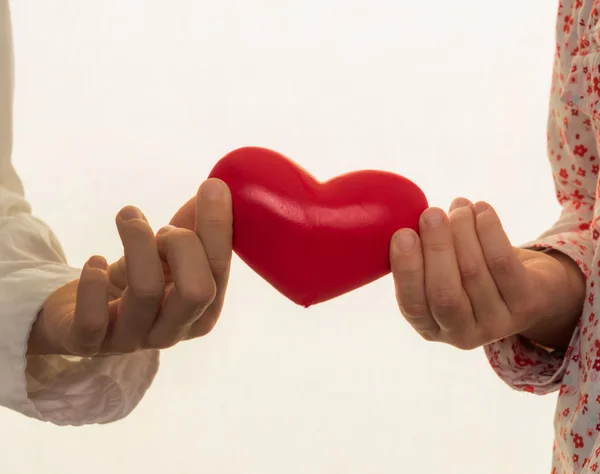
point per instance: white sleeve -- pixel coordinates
(61, 390)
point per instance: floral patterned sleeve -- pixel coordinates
(573, 154)
(521, 364)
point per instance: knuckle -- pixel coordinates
(202, 294)
(150, 292)
(160, 344)
(181, 233)
(87, 338)
(465, 345)
(92, 331)
(470, 271)
(129, 347)
(429, 335)
(464, 341)
(220, 266)
(445, 298)
(466, 337)
(178, 239)
(204, 326)
(500, 263)
(407, 268)
(84, 347)
(438, 246)
(166, 338)
(413, 310)
(215, 220)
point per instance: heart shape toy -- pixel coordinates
(311, 240)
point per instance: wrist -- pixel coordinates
(559, 316)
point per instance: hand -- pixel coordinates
(463, 283)
(167, 288)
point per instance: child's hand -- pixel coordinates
(166, 289)
(464, 284)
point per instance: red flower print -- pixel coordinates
(580, 150)
(573, 137)
(596, 82)
(525, 361)
(562, 390)
(568, 23)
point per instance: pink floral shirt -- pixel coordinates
(574, 153)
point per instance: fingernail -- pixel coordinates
(479, 207)
(212, 190)
(434, 218)
(97, 262)
(130, 213)
(460, 202)
(405, 240)
(165, 229)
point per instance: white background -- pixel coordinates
(132, 101)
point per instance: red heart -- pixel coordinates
(315, 241)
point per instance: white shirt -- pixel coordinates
(62, 390)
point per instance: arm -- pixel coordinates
(63, 390)
(522, 361)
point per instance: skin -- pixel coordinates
(462, 282)
(167, 287)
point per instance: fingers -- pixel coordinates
(193, 289)
(143, 296)
(118, 273)
(465, 276)
(486, 301)
(214, 227)
(199, 263)
(86, 331)
(447, 298)
(506, 269)
(409, 277)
